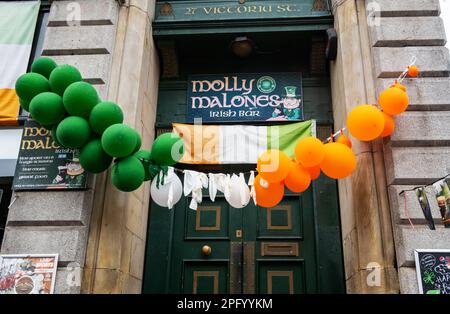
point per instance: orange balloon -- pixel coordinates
(413, 71)
(298, 179)
(309, 151)
(398, 85)
(393, 101)
(389, 125)
(314, 172)
(339, 161)
(344, 140)
(365, 122)
(268, 194)
(274, 165)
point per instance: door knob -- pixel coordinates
(206, 250)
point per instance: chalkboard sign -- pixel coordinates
(44, 165)
(433, 271)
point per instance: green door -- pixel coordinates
(252, 250)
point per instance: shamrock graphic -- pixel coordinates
(428, 277)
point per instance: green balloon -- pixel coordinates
(48, 127)
(104, 115)
(93, 158)
(167, 149)
(31, 84)
(119, 140)
(62, 76)
(43, 66)
(24, 104)
(145, 157)
(47, 108)
(138, 142)
(79, 99)
(128, 174)
(73, 132)
(54, 137)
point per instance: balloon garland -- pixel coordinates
(334, 158)
(57, 98)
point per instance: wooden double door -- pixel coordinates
(220, 249)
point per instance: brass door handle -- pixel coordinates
(206, 250)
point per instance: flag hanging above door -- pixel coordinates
(238, 144)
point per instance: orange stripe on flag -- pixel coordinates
(9, 107)
(201, 143)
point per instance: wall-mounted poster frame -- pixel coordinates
(433, 270)
(28, 273)
(44, 165)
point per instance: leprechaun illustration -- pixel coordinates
(291, 105)
(72, 174)
(75, 173)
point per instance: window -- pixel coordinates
(5, 199)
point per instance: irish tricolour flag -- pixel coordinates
(17, 25)
(238, 144)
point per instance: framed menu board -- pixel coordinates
(44, 165)
(28, 274)
(433, 271)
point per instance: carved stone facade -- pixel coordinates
(104, 231)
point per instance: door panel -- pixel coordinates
(280, 276)
(253, 250)
(286, 246)
(212, 225)
(202, 277)
(282, 221)
(209, 221)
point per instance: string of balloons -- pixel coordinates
(57, 97)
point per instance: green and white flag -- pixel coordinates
(17, 26)
(238, 144)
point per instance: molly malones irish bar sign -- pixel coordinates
(245, 97)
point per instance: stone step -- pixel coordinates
(413, 211)
(408, 31)
(391, 62)
(425, 94)
(390, 8)
(422, 129)
(68, 242)
(416, 165)
(94, 68)
(73, 208)
(84, 10)
(80, 40)
(408, 280)
(408, 239)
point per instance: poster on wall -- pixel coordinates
(442, 189)
(245, 97)
(42, 164)
(28, 274)
(433, 271)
